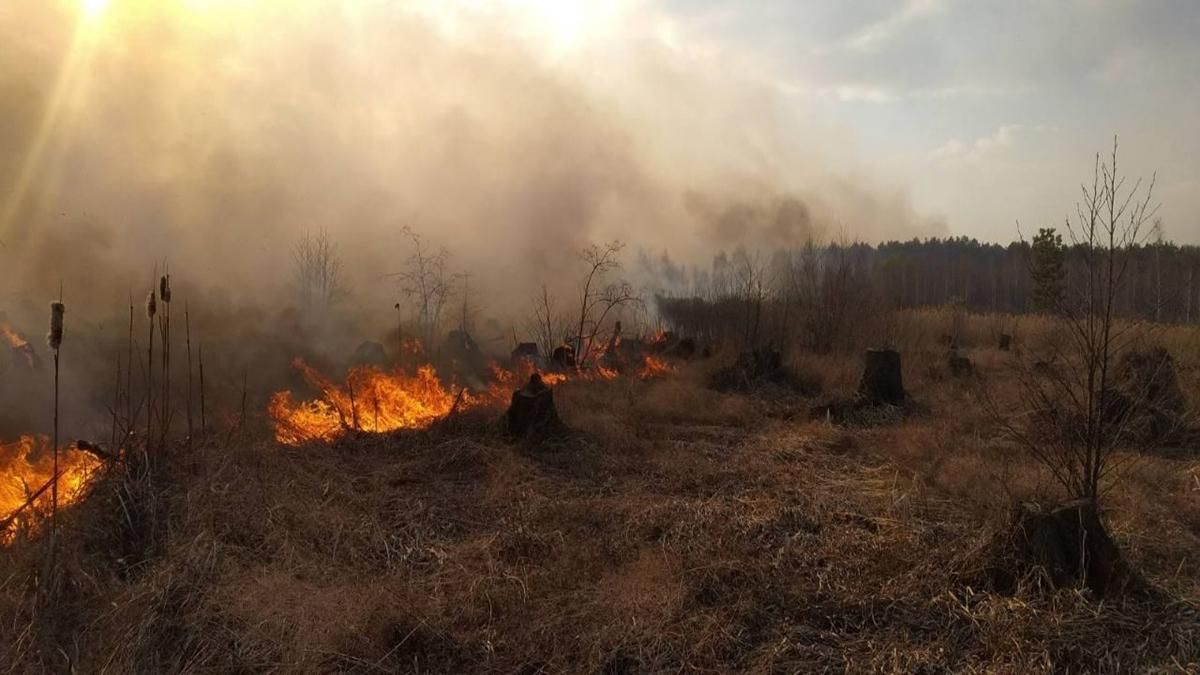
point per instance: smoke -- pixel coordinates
(212, 135)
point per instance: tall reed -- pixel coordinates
(151, 311)
(54, 339)
(129, 374)
(164, 331)
(187, 336)
(203, 419)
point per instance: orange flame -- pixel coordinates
(371, 400)
(13, 338)
(653, 366)
(18, 343)
(27, 466)
(378, 401)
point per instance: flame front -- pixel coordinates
(378, 401)
(18, 343)
(13, 338)
(652, 366)
(370, 400)
(26, 467)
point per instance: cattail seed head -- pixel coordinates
(164, 288)
(55, 336)
(151, 306)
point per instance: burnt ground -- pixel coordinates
(675, 530)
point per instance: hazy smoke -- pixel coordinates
(212, 135)
(213, 139)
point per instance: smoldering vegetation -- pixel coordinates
(309, 258)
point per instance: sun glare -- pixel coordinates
(92, 9)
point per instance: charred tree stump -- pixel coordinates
(532, 411)
(960, 366)
(882, 380)
(1005, 342)
(563, 357)
(1068, 545)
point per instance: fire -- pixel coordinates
(370, 400)
(17, 343)
(653, 366)
(378, 401)
(11, 336)
(26, 467)
(411, 346)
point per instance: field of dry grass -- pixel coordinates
(675, 529)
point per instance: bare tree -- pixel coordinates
(318, 269)
(548, 325)
(598, 297)
(819, 284)
(1077, 420)
(425, 282)
(751, 287)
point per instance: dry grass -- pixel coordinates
(677, 530)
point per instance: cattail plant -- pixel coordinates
(116, 406)
(129, 374)
(200, 359)
(151, 311)
(54, 340)
(164, 331)
(187, 336)
(399, 334)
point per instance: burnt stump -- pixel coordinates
(1066, 546)
(882, 379)
(532, 411)
(1005, 342)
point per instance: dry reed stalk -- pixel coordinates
(54, 340)
(242, 420)
(187, 336)
(129, 372)
(116, 404)
(203, 419)
(164, 294)
(151, 310)
(399, 334)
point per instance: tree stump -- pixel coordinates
(527, 351)
(1149, 381)
(882, 379)
(532, 411)
(1005, 342)
(369, 353)
(960, 366)
(1068, 545)
(563, 357)
(685, 348)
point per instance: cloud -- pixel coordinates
(878, 34)
(999, 141)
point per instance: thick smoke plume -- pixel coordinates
(213, 135)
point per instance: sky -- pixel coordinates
(517, 130)
(992, 110)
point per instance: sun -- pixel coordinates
(564, 21)
(93, 9)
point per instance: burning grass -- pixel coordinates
(26, 470)
(674, 542)
(679, 529)
(374, 400)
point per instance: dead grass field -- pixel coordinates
(675, 530)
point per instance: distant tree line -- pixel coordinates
(1162, 280)
(811, 293)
